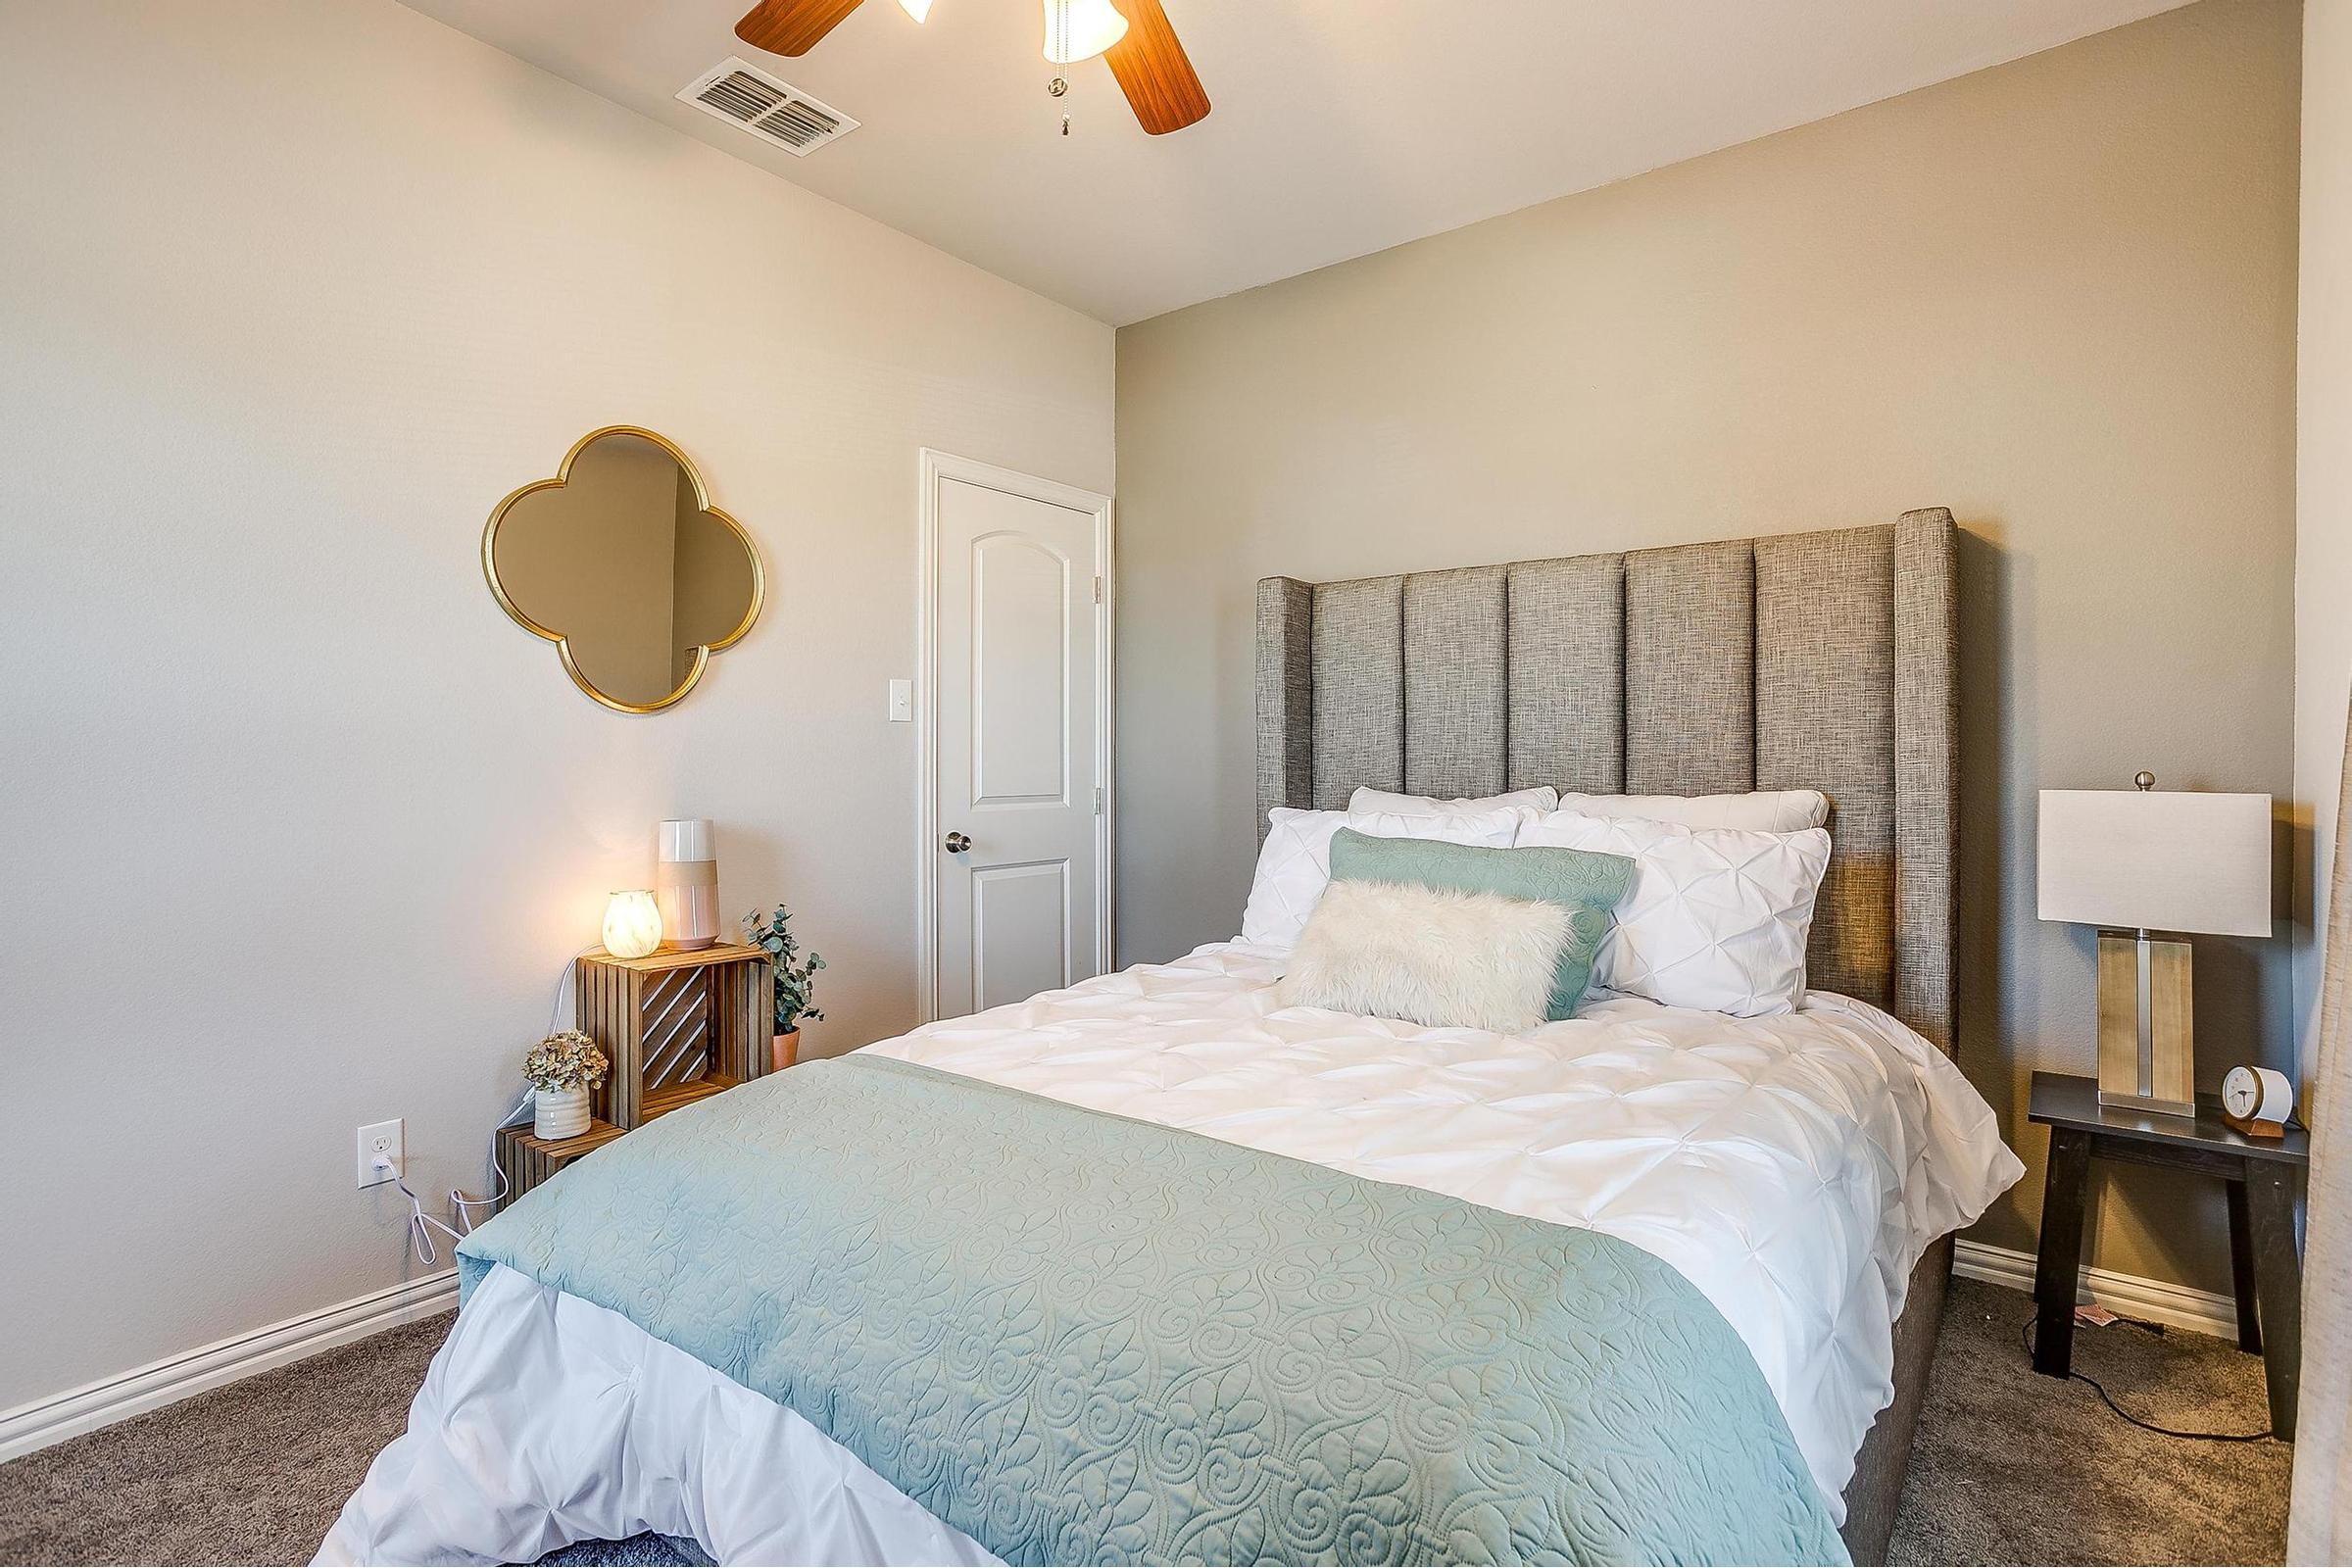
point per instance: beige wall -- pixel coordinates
(2057, 297)
(2323, 482)
(299, 828)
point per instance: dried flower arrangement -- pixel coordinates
(566, 1060)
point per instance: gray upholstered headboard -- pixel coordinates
(1810, 661)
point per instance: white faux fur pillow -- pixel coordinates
(1294, 866)
(1451, 961)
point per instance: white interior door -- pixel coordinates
(1017, 841)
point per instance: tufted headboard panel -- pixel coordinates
(1814, 660)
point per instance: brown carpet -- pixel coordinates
(2008, 1467)
(2012, 1467)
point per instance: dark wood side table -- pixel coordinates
(2266, 1268)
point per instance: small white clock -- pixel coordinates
(2259, 1096)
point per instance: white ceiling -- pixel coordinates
(1341, 126)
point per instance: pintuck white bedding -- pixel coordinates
(1793, 1167)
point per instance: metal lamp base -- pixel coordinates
(2142, 1102)
(2145, 1059)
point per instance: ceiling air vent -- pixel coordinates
(742, 94)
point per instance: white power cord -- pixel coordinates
(423, 1225)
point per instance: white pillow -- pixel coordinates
(1760, 810)
(1717, 917)
(1294, 866)
(1432, 957)
(1541, 797)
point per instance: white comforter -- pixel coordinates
(1793, 1167)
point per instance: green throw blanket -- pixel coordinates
(1083, 1339)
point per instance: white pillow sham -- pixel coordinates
(1442, 959)
(1717, 918)
(1758, 811)
(1540, 798)
(1294, 866)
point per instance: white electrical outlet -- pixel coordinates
(384, 1138)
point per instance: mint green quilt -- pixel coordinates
(1078, 1337)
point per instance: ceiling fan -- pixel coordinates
(1133, 37)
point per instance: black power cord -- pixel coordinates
(2025, 1334)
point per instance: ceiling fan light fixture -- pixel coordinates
(917, 9)
(1079, 29)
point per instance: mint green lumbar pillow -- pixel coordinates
(1587, 884)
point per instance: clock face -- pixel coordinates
(2241, 1091)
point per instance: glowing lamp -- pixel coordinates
(1080, 30)
(917, 9)
(632, 924)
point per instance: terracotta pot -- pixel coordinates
(559, 1114)
(787, 1049)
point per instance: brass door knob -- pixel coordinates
(958, 843)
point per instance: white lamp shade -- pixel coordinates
(2157, 859)
(632, 924)
(1080, 30)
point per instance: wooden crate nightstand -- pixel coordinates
(674, 1027)
(527, 1160)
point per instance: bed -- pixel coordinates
(1158, 1247)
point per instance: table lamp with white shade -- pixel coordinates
(2149, 861)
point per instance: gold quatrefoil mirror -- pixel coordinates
(624, 565)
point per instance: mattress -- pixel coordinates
(1792, 1168)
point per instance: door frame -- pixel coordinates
(934, 468)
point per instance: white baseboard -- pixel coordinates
(2127, 1295)
(59, 1416)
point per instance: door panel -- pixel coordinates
(1020, 931)
(1016, 644)
(1020, 686)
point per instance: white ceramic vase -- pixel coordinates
(686, 873)
(559, 1114)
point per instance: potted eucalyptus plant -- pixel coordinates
(795, 978)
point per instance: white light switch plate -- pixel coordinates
(902, 701)
(381, 1138)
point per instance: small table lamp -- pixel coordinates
(2181, 861)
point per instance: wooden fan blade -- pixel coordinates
(1155, 72)
(791, 27)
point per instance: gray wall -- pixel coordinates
(297, 830)
(2058, 297)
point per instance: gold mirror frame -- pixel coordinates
(702, 496)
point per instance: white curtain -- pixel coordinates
(2320, 1523)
